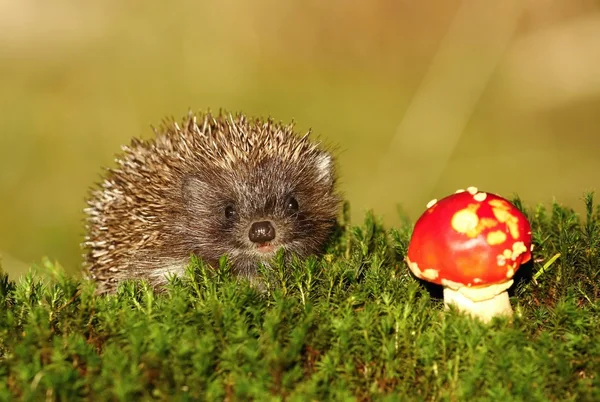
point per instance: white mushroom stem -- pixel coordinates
(483, 303)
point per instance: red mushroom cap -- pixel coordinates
(471, 238)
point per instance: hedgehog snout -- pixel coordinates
(261, 232)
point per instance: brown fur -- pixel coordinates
(167, 197)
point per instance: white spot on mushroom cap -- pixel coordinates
(460, 190)
(496, 237)
(518, 249)
(472, 190)
(464, 221)
(432, 203)
(480, 197)
(414, 267)
(429, 274)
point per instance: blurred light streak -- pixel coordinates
(556, 66)
(441, 108)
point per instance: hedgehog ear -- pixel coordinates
(324, 167)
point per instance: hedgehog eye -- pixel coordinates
(230, 212)
(291, 205)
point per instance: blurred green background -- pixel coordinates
(422, 98)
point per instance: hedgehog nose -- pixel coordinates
(261, 232)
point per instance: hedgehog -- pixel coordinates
(210, 186)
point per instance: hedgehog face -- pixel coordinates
(251, 212)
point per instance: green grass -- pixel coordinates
(354, 325)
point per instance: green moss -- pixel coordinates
(354, 325)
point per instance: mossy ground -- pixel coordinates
(354, 325)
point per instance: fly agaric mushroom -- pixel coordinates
(471, 243)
